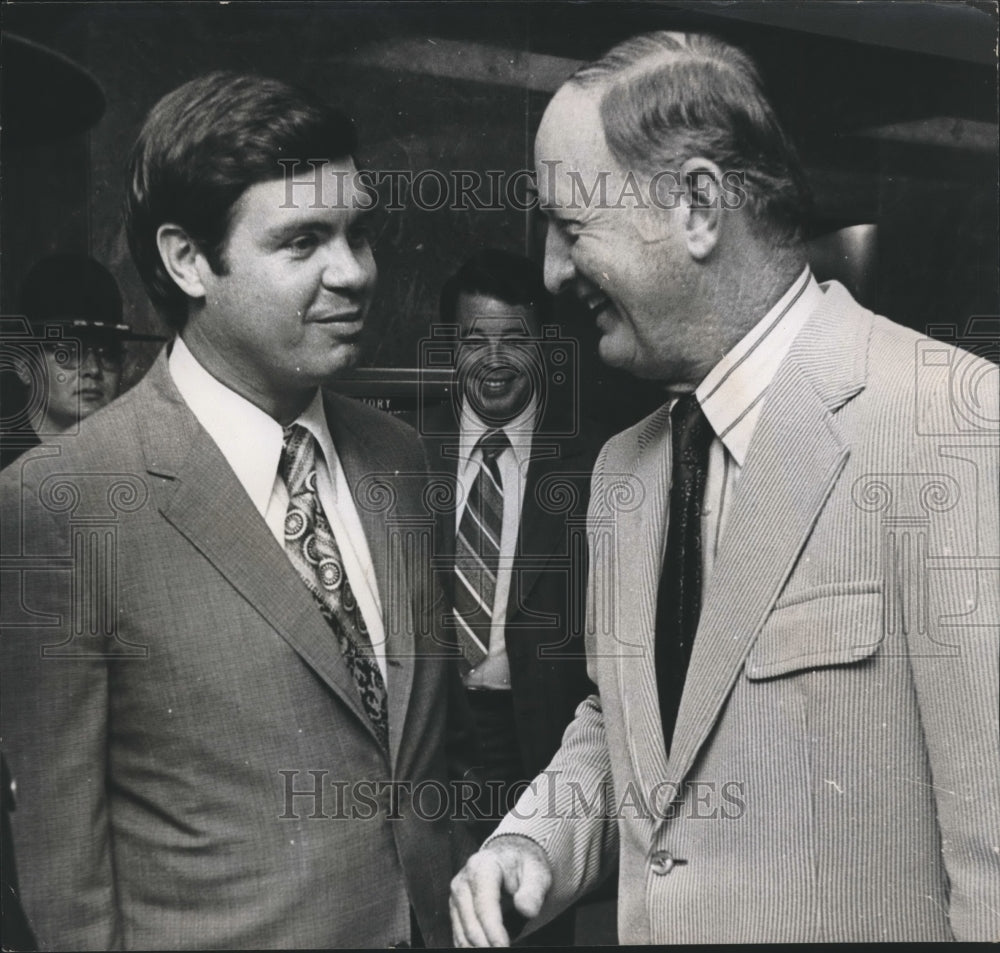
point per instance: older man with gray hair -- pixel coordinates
(793, 607)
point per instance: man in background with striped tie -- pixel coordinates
(793, 598)
(222, 696)
(517, 571)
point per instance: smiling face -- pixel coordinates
(499, 364)
(627, 264)
(288, 313)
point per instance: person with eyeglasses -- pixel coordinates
(69, 357)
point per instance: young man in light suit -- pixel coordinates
(221, 690)
(794, 638)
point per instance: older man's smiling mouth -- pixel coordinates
(596, 305)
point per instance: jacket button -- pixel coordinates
(662, 862)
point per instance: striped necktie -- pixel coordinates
(313, 550)
(477, 551)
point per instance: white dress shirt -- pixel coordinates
(732, 396)
(494, 671)
(251, 442)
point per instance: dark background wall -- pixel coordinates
(896, 116)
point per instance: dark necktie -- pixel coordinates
(678, 603)
(314, 553)
(477, 551)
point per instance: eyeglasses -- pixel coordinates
(108, 357)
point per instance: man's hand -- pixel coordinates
(515, 864)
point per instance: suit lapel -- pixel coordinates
(197, 492)
(795, 459)
(780, 496)
(442, 456)
(544, 526)
(640, 535)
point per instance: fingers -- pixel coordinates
(534, 882)
(514, 865)
(459, 936)
(476, 916)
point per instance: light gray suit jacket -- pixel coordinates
(170, 688)
(835, 767)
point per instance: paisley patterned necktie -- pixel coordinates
(313, 550)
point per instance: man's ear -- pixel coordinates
(702, 181)
(182, 259)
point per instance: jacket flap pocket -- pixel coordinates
(829, 626)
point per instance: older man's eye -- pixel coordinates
(303, 244)
(567, 229)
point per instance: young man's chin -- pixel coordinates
(343, 357)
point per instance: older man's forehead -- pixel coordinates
(570, 147)
(575, 172)
(572, 120)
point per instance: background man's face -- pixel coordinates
(499, 366)
(81, 380)
(627, 264)
(289, 312)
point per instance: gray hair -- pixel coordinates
(668, 97)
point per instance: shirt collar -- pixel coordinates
(313, 418)
(732, 394)
(249, 439)
(519, 432)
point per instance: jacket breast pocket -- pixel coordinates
(839, 624)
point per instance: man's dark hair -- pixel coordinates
(201, 147)
(668, 97)
(498, 274)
